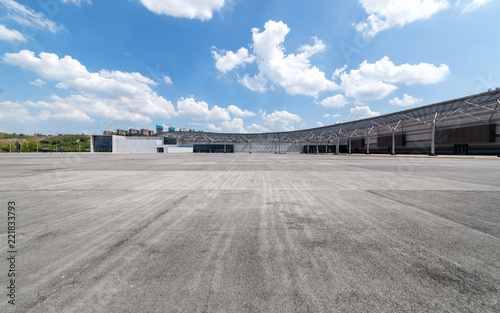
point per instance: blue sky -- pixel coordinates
(73, 66)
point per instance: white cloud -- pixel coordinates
(38, 82)
(256, 83)
(293, 72)
(74, 115)
(254, 128)
(280, 120)
(199, 9)
(167, 80)
(15, 111)
(361, 112)
(28, 17)
(77, 2)
(385, 14)
(474, 5)
(10, 34)
(234, 110)
(406, 101)
(214, 128)
(374, 81)
(333, 115)
(199, 111)
(234, 126)
(337, 101)
(229, 60)
(319, 124)
(19, 112)
(113, 94)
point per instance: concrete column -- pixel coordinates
(393, 142)
(368, 144)
(337, 148)
(433, 138)
(317, 148)
(349, 145)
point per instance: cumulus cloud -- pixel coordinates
(19, 112)
(10, 34)
(194, 9)
(28, 17)
(233, 126)
(167, 80)
(38, 82)
(337, 101)
(229, 60)
(474, 5)
(15, 111)
(293, 72)
(255, 128)
(406, 101)
(214, 128)
(319, 124)
(374, 81)
(199, 111)
(361, 112)
(280, 120)
(257, 83)
(113, 94)
(234, 110)
(385, 14)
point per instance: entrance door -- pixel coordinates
(461, 149)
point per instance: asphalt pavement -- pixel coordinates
(250, 233)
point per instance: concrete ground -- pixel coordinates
(251, 233)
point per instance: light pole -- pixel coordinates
(78, 145)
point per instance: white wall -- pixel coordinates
(176, 149)
(135, 144)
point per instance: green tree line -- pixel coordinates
(69, 143)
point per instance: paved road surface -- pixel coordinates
(252, 233)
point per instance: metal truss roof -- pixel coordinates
(474, 107)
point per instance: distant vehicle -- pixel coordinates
(45, 149)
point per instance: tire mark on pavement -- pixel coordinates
(54, 287)
(443, 216)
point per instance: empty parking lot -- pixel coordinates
(252, 233)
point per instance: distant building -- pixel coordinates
(133, 131)
(107, 132)
(171, 129)
(144, 132)
(159, 129)
(182, 129)
(121, 144)
(121, 132)
(151, 133)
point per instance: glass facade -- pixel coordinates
(169, 141)
(103, 144)
(213, 148)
